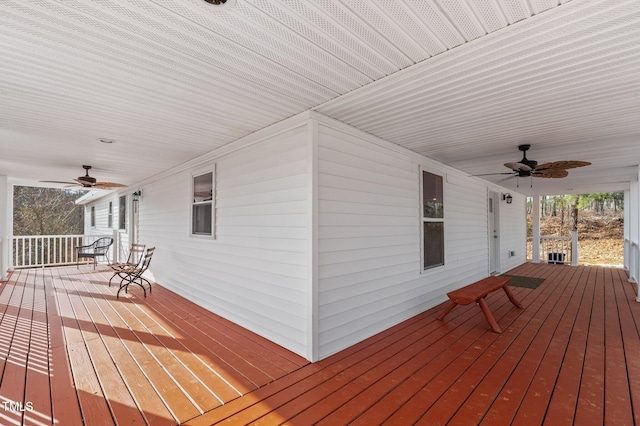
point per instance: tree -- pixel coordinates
(47, 211)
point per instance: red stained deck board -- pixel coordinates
(539, 323)
(389, 384)
(116, 393)
(120, 324)
(564, 398)
(617, 401)
(64, 399)
(254, 350)
(12, 386)
(590, 409)
(263, 400)
(411, 356)
(138, 374)
(539, 364)
(445, 366)
(242, 367)
(630, 310)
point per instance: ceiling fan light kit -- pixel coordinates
(87, 181)
(531, 168)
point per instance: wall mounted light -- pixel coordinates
(137, 195)
(507, 197)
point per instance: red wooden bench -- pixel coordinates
(476, 292)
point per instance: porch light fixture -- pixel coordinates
(507, 197)
(136, 195)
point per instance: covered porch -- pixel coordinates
(71, 352)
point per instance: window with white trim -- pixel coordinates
(202, 205)
(93, 216)
(432, 220)
(110, 215)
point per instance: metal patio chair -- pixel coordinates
(133, 274)
(99, 247)
(136, 254)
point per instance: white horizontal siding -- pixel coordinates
(255, 272)
(102, 224)
(369, 236)
(513, 232)
(362, 272)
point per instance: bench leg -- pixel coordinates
(511, 297)
(446, 311)
(489, 316)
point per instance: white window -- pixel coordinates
(202, 205)
(110, 215)
(432, 220)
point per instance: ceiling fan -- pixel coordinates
(87, 181)
(531, 168)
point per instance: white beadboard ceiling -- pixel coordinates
(461, 81)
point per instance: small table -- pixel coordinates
(476, 292)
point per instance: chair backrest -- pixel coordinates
(136, 253)
(101, 245)
(147, 259)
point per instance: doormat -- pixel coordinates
(527, 282)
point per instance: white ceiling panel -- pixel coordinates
(461, 81)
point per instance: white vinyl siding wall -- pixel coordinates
(513, 232)
(318, 234)
(256, 271)
(369, 237)
(102, 224)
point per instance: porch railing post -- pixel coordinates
(3, 263)
(574, 248)
(116, 246)
(535, 228)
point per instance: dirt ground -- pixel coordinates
(600, 238)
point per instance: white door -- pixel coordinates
(494, 236)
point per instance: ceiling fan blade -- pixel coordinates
(562, 165)
(494, 174)
(518, 167)
(108, 185)
(83, 183)
(507, 178)
(58, 181)
(550, 173)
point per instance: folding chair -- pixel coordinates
(136, 254)
(134, 274)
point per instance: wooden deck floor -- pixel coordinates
(71, 353)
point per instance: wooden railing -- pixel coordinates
(556, 249)
(47, 250)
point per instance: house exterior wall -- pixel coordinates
(513, 232)
(255, 272)
(102, 228)
(317, 241)
(369, 236)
